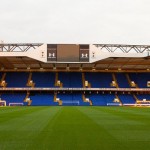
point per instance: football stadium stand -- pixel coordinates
(42, 79)
(14, 99)
(72, 79)
(74, 74)
(99, 80)
(43, 99)
(16, 79)
(72, 99)
(122, 80)
(140, 78)
(126, 99)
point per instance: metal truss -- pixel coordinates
(18, 47)
(109, 47)
(124, 48)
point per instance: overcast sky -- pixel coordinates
(75, 21)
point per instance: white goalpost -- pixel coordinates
(2, 103)
(144, 105)
(16, 104)
(71, 102)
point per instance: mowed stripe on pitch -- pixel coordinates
(129, 126)
(74, 128)
(19, 128)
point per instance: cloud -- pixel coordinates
(78, 21)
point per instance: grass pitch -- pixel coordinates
(74, 128)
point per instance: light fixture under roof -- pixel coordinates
(93, 68)
(54, 68)
(2, 68)
(28, 67)
(80, 69)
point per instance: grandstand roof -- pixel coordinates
(108, 63)
(26, 58)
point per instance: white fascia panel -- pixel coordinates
(39, 53)
(96, 54)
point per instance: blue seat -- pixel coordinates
(70, 79)
(72, 99)
(127, 99)
(140, 79)
(16, 79)
(43, 79)
(99, 80)
(42, 99)
(14, 98)
(122, 80)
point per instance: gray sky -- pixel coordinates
(75, 21)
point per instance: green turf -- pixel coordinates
(74, 128)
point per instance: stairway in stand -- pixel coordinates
(84, 100)
(30, 82)
(57, 101)
(130, 82)
(2, 82)
(114, 78)
(27, 99)
(119, 99)
(57, 82)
